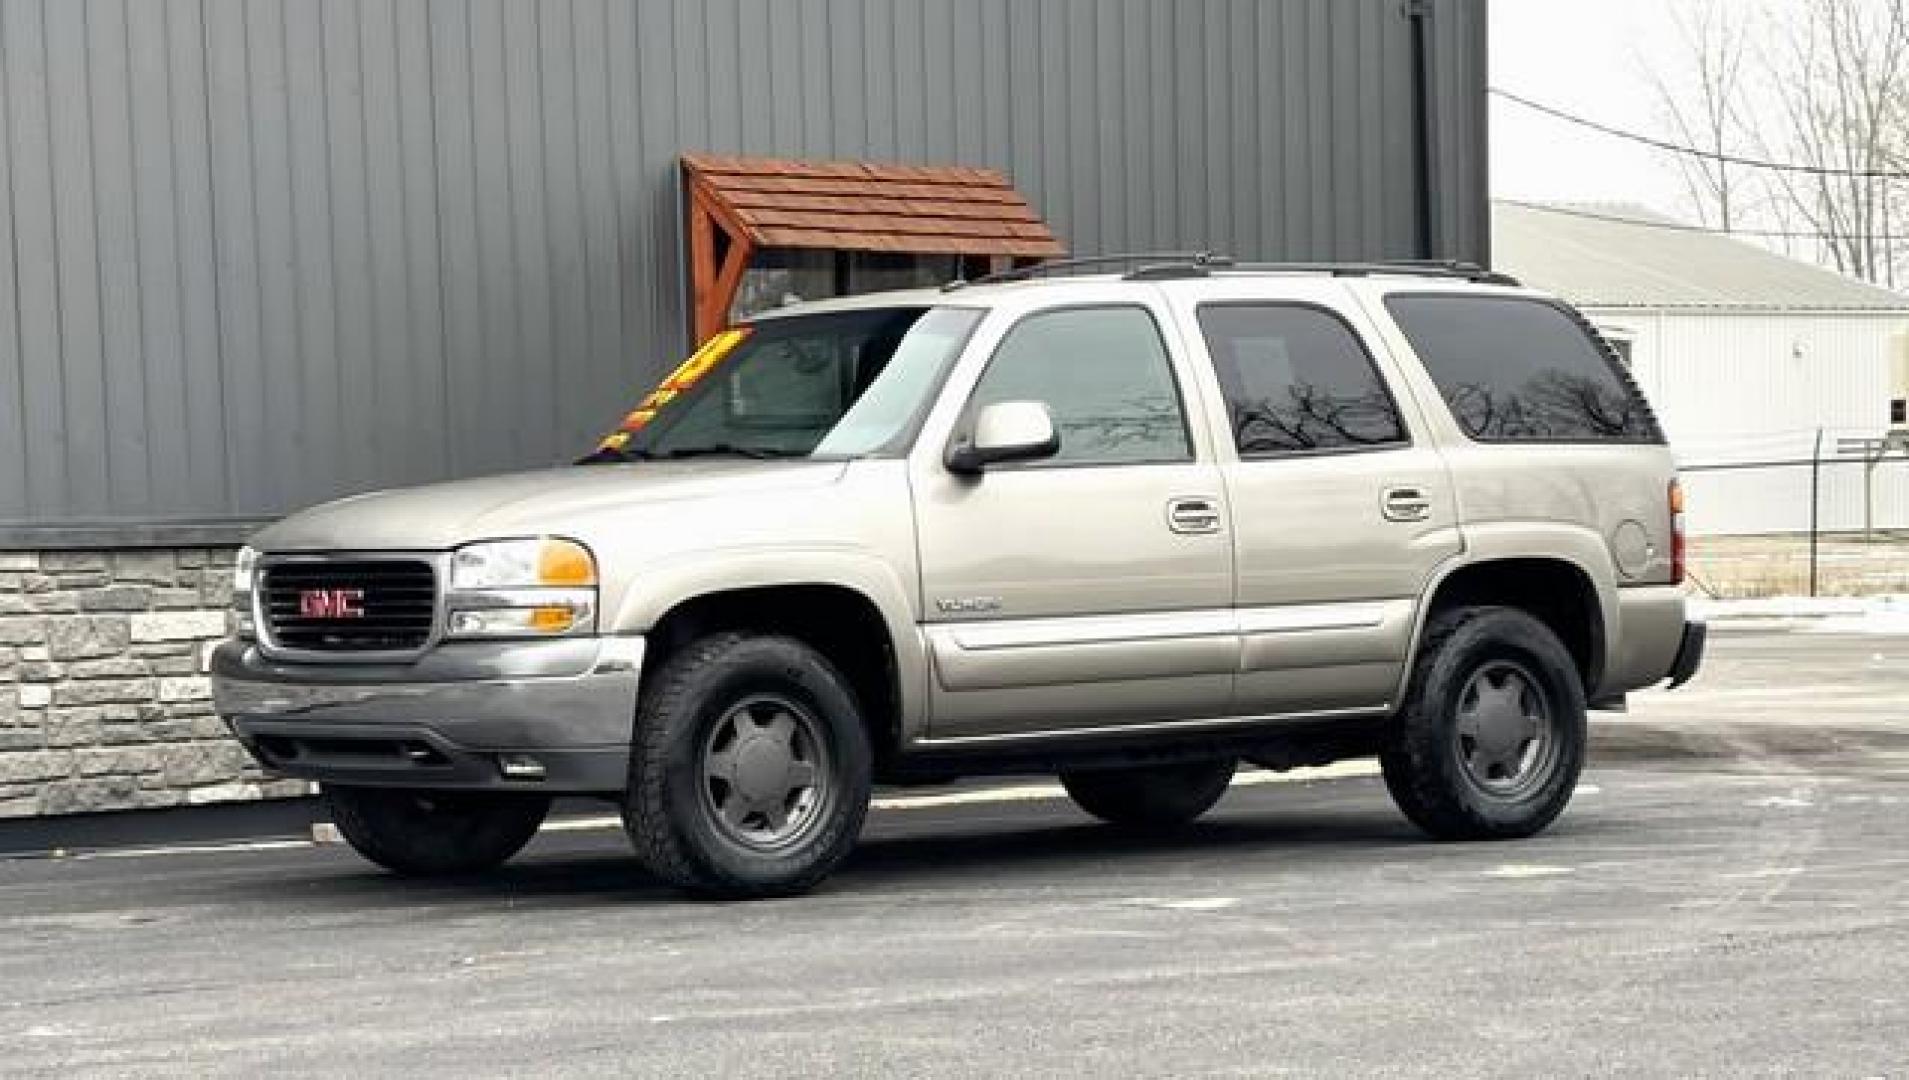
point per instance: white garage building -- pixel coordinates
(1745, 354)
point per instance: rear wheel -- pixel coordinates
(1150, 796)
(751, 771)
(1492, 737)
(434, 832)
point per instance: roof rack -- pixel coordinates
(1432, 268)
(1056, 267)
(1169, 265)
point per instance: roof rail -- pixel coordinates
(1168, 265)
(1054, 267)
(1432, 268)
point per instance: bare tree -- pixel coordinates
(1840, 78)
(1817, 83)
(1704, 111)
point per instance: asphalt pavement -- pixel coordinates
(1728, 895)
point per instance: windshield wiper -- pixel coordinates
(756, 453)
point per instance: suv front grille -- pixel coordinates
(350, 605)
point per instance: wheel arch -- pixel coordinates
(1564, 585)
(851, 609)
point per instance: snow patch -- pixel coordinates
(1887, 614)
(1191, 903)
(1528, 870)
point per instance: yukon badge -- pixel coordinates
(968, 605)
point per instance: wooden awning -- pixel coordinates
(846, 206)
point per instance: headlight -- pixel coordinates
(244, 569)
(541, 587)
(523, 564)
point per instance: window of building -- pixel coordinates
(1518, 370)
(1296, 380)
(777, 277)
(1105, 375)
(1620, 342)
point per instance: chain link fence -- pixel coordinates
(1810, 513)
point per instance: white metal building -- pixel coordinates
(1745, 354)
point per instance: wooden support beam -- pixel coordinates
(702, 266)
(714, 278)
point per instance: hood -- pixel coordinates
(439, 516)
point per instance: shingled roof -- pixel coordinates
(857, 206)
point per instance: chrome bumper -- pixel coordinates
(553, 716)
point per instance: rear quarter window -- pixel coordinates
(1514, 369)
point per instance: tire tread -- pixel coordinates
(1417, 767)
(660, 843)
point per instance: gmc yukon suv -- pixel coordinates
(1130, 529)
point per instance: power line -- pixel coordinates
(1678, 226)
(1691, 151)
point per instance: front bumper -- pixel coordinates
(551, 716)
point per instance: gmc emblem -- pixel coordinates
(332, 603)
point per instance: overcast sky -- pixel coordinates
(1589, 57)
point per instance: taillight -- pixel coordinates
(1678, 547)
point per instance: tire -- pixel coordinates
(1155, 796)
(422, 833)
(751, 769)
(1492, 736)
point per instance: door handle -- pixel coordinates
(1405, 504)
(1193, 515)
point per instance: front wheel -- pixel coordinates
(1151, 796)
(751, 771)
(434, 832)
(1492, 736)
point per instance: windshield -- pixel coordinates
(843, 384)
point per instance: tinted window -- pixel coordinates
(1521, 370)
(1104, 373)
(1296, 379)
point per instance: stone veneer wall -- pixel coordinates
(102, 704)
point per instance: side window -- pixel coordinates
(1519, 370)
(1105, 375)
(1296, 380)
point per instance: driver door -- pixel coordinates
(1092, 589)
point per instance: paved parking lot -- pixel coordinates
(1726, 896)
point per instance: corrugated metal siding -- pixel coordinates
(259, 253)
(1462, 188)
(1745, 388)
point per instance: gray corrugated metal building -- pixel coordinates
(259, 253)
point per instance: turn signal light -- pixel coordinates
(1679, 548)
(565, 563)
(552, 620)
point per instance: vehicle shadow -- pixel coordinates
(592, 870)
(1043, 847)
(597, 868)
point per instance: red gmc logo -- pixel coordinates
(332, 603)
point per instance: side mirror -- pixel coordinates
(1006, 431)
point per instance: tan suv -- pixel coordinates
(1130, 528)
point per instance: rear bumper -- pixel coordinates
(546, 716)
(1690, 655)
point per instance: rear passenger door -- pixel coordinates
(1341, 508)
(1555, 452)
